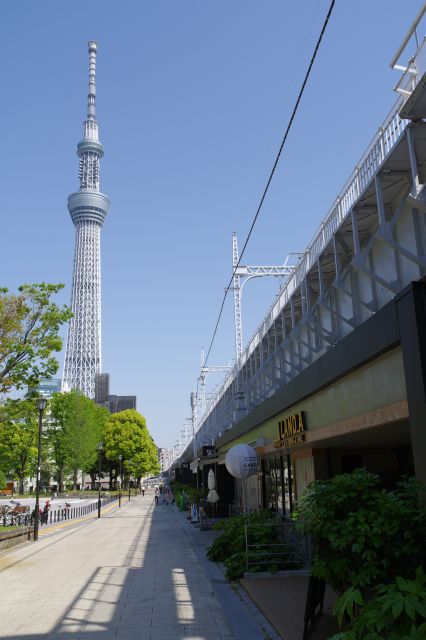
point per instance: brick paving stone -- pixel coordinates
(135, 574)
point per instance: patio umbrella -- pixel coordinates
(211, 483)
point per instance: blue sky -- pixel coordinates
(193, 97)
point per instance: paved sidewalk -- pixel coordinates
(137, 573)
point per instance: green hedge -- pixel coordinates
(230, 547)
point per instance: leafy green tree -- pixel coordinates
(74, 432)
(29, 326)
(145, 461)
(18, 438)
(100, 417)
(363, 535)
(81, 440)
(57, 425)
(395, 611)
(126, 434)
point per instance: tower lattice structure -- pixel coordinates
(88, 208)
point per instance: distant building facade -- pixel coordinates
(113, 403)
(121, 403)
(165, 457)
(101, 388)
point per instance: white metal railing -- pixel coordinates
(378, 150)
(413, 72)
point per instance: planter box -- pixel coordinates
(14, 537)
(286, 573)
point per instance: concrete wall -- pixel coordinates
(14, 537)
(378, 384)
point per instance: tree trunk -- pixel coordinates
(74, 480)
(60, 480)
(21, 484)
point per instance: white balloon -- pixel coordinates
(241, 461)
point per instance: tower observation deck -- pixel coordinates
(88, 208)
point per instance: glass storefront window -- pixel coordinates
(277, 484)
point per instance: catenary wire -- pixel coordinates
(271, 175)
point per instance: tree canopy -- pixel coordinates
(126, 434)
(29, 326)
(74, 431)
(18, 438)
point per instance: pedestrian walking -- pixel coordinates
(156, 496)
(45, 513)
(143, 490)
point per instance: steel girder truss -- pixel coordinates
(83, 354)
(376, 249)
(369, 246)
(243, 274)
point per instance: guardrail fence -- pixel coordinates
(276, 547)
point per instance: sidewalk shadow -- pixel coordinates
(158, 592)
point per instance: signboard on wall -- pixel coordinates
(291, 430)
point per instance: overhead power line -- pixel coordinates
(271, 175)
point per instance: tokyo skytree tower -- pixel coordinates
(88, 208)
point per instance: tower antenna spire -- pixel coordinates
(91, 96)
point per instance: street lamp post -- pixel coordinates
(41, 404)
(100, 447)
(120, 457)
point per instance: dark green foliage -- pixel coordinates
(396, 611)
(18, 439)
(73, 433)
(186, 494)
(230, 547)
(363, 535)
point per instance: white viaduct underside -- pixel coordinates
(374, 251)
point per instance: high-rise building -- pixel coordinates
(101, 388)
(113, 403)
(121, 403)
(165, 457)
(88, 208)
